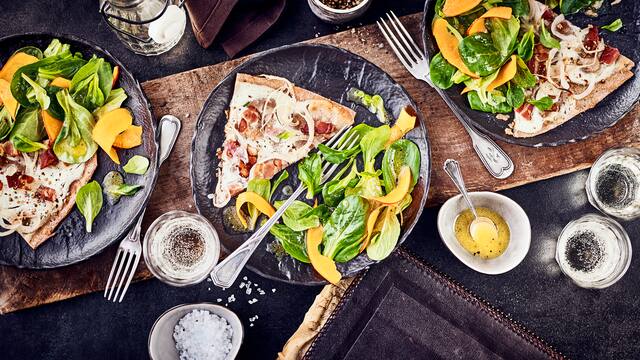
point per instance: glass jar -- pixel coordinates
(147, 27)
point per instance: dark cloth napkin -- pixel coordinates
(234, 23)
(404, 309)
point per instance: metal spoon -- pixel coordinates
(452, 168)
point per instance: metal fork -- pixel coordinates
(492, 156)
(227, 271)
(130, 249)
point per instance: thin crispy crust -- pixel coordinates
(598, 94)
(48, 229)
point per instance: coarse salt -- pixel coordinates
(202, 335)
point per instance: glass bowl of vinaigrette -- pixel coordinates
(181, 248)
(487, 251)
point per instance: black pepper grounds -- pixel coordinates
(341, 4)
(615, 186)
(185, 249)
(584, 252)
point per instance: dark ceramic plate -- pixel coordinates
(589, 123)
(71, 243)
(330, 72)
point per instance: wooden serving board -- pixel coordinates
(183, 95)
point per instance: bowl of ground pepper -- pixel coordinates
(338, 11)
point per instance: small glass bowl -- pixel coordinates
(337, 16)
(152, 263)
(622, 244)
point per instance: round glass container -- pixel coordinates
(181, 248)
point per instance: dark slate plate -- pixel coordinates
(330, 72)
(71, 243)
(613, 108)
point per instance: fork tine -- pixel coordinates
(129, 256)
(327, 173)
(132, 272)
(401, 47)
(338, 136)
(415, 46)
(394, 48)
(404, 40)
(120, 260)
(113, 269)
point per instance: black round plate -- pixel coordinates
(72, 243)
(606, 114)
(330, 72)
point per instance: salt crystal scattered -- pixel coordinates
(273, 290)
(244, 278)
(253, 301)
(250, 325)
(242, 284)
(231, 298)
(248, 291)
(218, 300)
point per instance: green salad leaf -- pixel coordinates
(480, 54)
(74, 144)
(296, 216)
(441, 72)
(614, 26)
(333, 191)
(372, 143)
(89, 202)
(310, 173)
(383, 243)
(28, 130)
(91, 85)
(546, 39)
(293, 242)
(125, 189)
(137, 165)
(543, 104)
(524, 78)
(25, 145)
(526, 45)
(519, 7)
(56, 48)
(345, 229)
(30, 50)
(114, 101)
(515, 96)
(504, 34)
(401, 153)
(374, 103)
(38, 92)
(497, 108)
(6, 122)
(573, 6)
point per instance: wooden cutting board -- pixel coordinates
(183, 95)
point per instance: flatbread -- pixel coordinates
(608, 86)
(39, 236)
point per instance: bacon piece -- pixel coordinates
(538, 63)
(46, 193)
(549, 15)
(525, 111)
(18, 180)
(244, 169)
(231, 147)
(0, 186)
(251, 114)
(592, 39)
(609, 55)
(241, 126)
(267, 169)
(322, 127)
(9, 150)
(564, 28)
(47, 158)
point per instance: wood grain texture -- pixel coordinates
(183, 95)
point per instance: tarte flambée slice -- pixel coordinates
(37, 192)
(271, 124)
(577, 77)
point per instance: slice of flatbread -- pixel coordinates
(609, 85)
(268, 129)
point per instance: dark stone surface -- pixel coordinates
(580, 323)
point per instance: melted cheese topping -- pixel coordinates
(20, 209)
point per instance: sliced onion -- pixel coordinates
(591, 85)
(554, 29)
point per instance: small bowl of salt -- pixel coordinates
(195, 332)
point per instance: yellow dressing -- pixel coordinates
(485, 243)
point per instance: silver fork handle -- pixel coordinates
(497, 162)
(227, 271)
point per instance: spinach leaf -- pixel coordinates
(519, 7)
(546, 39)
(6, 122)
(372, 144)
(400, 153)
(39, 94)
(89, 202)
(282, 177)
(543, 104)
(525, 48)
(477, 104)
(114, 101)
(30, 50)
(333, 191)
(384, 242)
(338, 156)
(110, 181)
(124, 189)
(91, 85)
(261, 187)
(573, 6)
(524, 78)
(441, 72)
(56, 48)
(373, 103)
(614, 26)
(515, 96)
(25, 145)
(460, 77)
(345, 227)
(294, 217)
(293, 242)
(369, 185)
(322, 212)
(28, 126)
(54, 109)
(504, 34)
(310, 173)
(137, 165)
(480, 54)
(74, 144)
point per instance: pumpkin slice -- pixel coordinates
(371, 223)
(477, 26)
(15, 62)
(458, 7)
(109, 127)
(448, 44)
(7, 98)
(400, 191)
(116, 75)
(130, 138)
(324, 265)
(51, 125)
(249, 197)
(406, 122)
(506, 73)
(502, 12)
(61, 83)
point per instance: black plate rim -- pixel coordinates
(253, 59)
(505, 137)
(156, 136)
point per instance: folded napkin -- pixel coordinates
(236, 23)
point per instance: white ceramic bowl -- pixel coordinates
(163, 347)
(510, 211)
